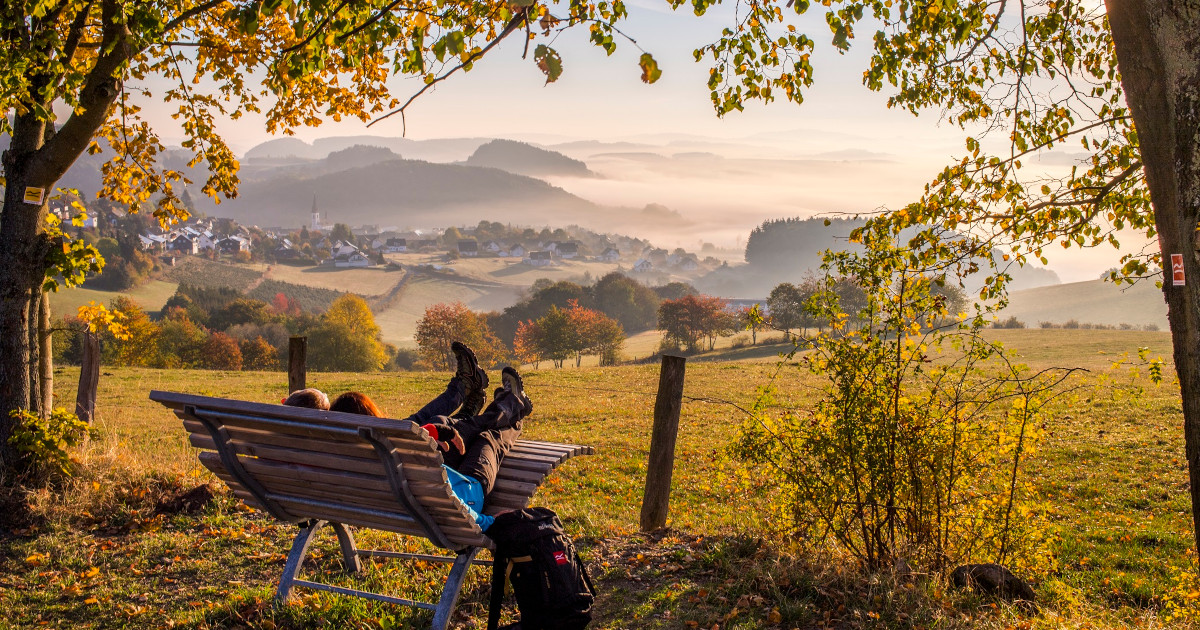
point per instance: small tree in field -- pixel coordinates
(593, 332)
(445, 323)
(694, 318)
(751, 318)
(259, 354)
(525, 344)
(347, 338)
(221, 352)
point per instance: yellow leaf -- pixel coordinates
(90, 573)
(91, 600)
(36, 560)
(774, 616)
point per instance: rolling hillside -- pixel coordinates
(397, 192)
(1093, 301)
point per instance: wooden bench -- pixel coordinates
(312, 468)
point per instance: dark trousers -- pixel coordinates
(488, 437)
(445, 404)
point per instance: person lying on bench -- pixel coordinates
(472, 466)
(309, 398)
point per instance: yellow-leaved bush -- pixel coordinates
(914, 448)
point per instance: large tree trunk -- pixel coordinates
(1158, 52)
(22, 264)
(38, 155)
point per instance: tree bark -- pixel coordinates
(1158, 53)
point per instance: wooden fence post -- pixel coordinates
(297, 363)
(655, 501)
(89, 378)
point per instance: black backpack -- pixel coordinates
(552, 586)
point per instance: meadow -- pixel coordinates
(116, 548)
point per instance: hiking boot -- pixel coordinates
(468, 370)
(511, 380)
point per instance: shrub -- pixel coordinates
(1047, 325)
(1071, 324)
(259, 354)
(41, 443)
(404, 360)
(900, 458)
(221, 352)
(1150, 327)
(1011, 323)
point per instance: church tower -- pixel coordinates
(316, 217)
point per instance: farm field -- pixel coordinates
(151, 296)
(1110, 470)
(511, 271)
(366, 282)
(1093, 301)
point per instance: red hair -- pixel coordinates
(356, 402)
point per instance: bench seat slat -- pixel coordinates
(359, 519)
(321, 460)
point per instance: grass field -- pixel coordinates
(151, 296)
(366, 282)
(1111, 473)
(1093, 301)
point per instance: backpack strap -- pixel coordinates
(587, 579)
(499, 577)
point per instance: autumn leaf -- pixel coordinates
(548, 62)
(650, 71)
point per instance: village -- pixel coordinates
(325, 244)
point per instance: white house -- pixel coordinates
(395, 245)
(609, 254)
(354, 259)
(343, 248)
(492, 246)
(642, 265)
(517, 251)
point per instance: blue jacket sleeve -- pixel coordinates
(470, 492)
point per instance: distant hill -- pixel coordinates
(395, 192)
(526, 159)
(437, 150)
(785, 250)
(1090, 302)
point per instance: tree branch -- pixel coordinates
(191, 13)
(99, 92)
(508, 29)
(316, 30)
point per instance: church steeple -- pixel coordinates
(316, 216)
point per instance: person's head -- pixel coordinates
(356, 402)
(310, 398)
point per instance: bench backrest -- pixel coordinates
(298, 464)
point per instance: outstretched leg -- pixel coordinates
(463, 392)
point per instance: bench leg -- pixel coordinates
(296, 559)
(345, 538)
(458, 573)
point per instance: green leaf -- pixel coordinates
(650, 71)
(548, 62)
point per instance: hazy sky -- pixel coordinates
(601, 97)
